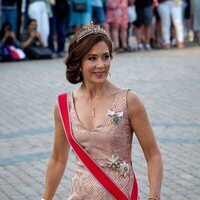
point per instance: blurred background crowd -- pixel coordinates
(35, 29)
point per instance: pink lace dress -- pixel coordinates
(110, 146)
(113, 11)
(117, 12)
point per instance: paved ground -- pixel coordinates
(167, 81)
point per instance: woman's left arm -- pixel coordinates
(144, 132)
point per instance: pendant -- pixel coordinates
(93, 112)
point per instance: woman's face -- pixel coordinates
(96, 63)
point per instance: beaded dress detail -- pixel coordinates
(110, 145)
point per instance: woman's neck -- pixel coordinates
(94, 91)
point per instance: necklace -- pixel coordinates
(93, 111)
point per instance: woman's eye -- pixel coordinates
(106, 57)
(91, 58)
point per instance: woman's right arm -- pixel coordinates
(58, 158)
(27, 43)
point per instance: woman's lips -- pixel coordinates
(99, 74)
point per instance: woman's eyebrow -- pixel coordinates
(92, 54)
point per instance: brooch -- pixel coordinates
(116, 116)
(116, 164)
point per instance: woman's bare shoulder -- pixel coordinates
(134, 102)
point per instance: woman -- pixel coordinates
(103, 118)
(38, 10)
(10, 47)
(171, 9)
(117, 18)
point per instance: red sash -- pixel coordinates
(89, 163)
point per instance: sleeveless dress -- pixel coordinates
(110, 145)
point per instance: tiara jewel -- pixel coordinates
(92, 29)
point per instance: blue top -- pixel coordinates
(80, 18)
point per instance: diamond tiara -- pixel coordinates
(92, 29)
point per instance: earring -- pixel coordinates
(109, 74)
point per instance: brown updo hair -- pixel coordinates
(77, 50)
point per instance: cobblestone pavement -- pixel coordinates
(168, 83)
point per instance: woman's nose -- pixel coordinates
(100, 63)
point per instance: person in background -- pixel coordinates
(113, 14)
(144, 9)
(98, 14)
(187, 16)
(10, 13)
(10, 47)
(132, 16)
(58, 26)
(38, 10)
(124, 26)
(171, 9)
(31, 37)
(195, 4)
(80, 13)
(99, 120)
(157, 30)
(33, 44)
(117, 18)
